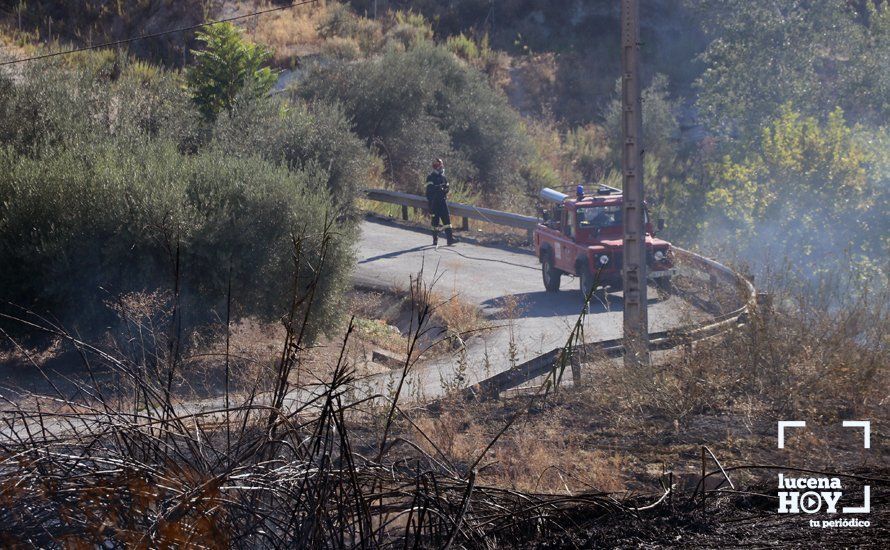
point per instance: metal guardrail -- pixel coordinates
(716, 272)
(466, 211)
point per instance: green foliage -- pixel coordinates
(344, 49)
(340, 21)
(661, 131)
(412, 19)
(228, 67)
(817, 55)
(479, 54)
(588, 150)
(595, 151)
(410, 30)
(347, 34)
(119, 218)
(804, 192)
(300, 137)
(423, 103)
(463, 47)
(105, 95)
(107, 175)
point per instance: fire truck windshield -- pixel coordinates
(599, 216)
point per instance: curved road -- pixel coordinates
(389, 254)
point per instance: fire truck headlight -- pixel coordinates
(659, 255)
(603, 259)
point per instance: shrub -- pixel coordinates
(339, 21)
(299, 136)
(423, 103)
(409, 30)
(80, 225)
(104, 95)
(369, 35)
(661, 130)
(587, 149)
(831, 210)
(341, 48)
(289, 33)
(463, 47)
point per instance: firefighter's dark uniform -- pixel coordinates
(436, 194)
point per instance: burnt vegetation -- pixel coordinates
(131, 463)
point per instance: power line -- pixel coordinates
(155, 35)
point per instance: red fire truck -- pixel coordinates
(582, 236)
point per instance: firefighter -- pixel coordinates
(436, 196)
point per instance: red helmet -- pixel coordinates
(438, 163)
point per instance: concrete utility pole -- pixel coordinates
(636, 315)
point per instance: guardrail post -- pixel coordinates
(465, 224)
(405, 212)
(490, 392)
(712, 287)
(576, 369)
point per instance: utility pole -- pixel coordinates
(636, 315)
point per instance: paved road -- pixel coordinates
(390, 254)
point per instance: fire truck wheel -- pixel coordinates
(552, 276)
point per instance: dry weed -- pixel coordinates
(553, 461)
(289, 33)
(457, 316)
(540, 456)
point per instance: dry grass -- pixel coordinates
(452, 319)
(290, 33)
(540, 456)
(799, 361)
(254, 346)
(22, 357)
(457, 316)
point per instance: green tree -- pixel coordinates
(805, 192)
(817, 55)
(228, 67)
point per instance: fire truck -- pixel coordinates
(583, 237)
